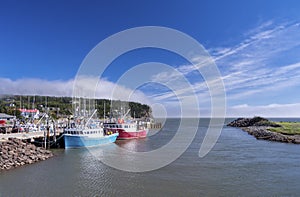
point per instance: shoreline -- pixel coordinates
(260, 129)
(262, 133)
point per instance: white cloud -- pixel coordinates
(104, 89)
(36, 87)
(271, 110)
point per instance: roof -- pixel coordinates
(3, 115)
(28, 110)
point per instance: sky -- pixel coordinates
(254, 44)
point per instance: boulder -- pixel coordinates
(15, 153)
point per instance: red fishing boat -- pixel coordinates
(126, 130)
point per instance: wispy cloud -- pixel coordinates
(259, 63)
(270, 110)
(255, 69)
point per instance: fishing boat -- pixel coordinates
(128, 130)
(87, 133)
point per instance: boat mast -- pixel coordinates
(125, 114)
(84, 106)
(28, 105)
(104, 111)
(89, 111)
(33, 102)
(20, 102)
(46, 104)
(90, 118)
(110, 112)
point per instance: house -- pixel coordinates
(4, 116)
(29, 113)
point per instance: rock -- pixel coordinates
(4, 151)
(258, 127)
(23, 144)
(256, 121)
(15, 153)
(42, 151)
(32, 157)
(28, 161)
(31, 147)
(19, 159)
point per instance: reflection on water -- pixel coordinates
(135, 145)
(239, 165)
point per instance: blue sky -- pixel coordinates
(255, 44)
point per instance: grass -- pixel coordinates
(288, 128)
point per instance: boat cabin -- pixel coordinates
(119, 126)
(83, 132)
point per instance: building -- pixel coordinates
(4, 116)
(29, 113)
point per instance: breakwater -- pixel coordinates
(260, 128)
(15, 152)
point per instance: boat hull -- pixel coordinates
(123, 135)
(77, 141)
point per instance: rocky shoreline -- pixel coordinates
(15, 153)
(259, 128)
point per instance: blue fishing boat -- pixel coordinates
(82, 133)
(76, 138)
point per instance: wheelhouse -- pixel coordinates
(119, 126)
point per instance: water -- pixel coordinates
(238, 165)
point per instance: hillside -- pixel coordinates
(62, 106)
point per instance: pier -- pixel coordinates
(39, 138)
(26, 136)
(156, 125)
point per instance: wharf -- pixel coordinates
(27, 135)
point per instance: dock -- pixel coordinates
(25, 136)
(38, 138)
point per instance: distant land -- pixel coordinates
(262, 128)
(62, 106)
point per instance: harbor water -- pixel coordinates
(238, 165)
